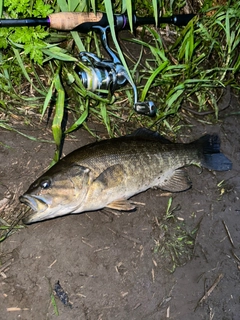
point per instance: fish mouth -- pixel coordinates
(37, 204)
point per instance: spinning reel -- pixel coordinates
(101, 74)
(109, 75)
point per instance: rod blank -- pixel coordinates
(28, 22)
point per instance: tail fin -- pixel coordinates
(212, 157)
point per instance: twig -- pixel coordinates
(228, 233)
(235, 256)
(88, 244)
(137, 306)
(16, 309)
(5, 266)
(153, 275)
(130, 238)
(123, 235)
(197, 228)
(210, 290)
(168, 312)
(52, 263)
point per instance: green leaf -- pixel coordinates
(58, 54)
(128, 4)
(105, 118)
(59, 112)
(151, 79)
(41, 9)
(54, 304)
(1, 7)
(155, 10)
(63, 5)
(47, 99)
(80, 121)
(78, 41)
(73, 5)
(10, 128)
(174, 95)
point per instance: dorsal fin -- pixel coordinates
(148, 134)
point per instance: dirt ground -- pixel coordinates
(107, 263)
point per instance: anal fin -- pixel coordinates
(178, 181)
(121, 205)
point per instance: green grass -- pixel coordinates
(174, 242)
(184, 65)
(202, 58)
(6, 230)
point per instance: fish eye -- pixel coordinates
(45, 184)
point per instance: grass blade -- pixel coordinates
(8, 127)
(78, 41)
(63, 5)
(47, 99)
(73, 5)
(24, 71)
(1, 7)
(105, 117)
(109, 12)
(151, 79)
(93, 4)
(54, 304)
(80, 121)
(128, 4)
(58, 54)
(155, 10)
(59, 112)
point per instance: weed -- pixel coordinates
(174, 243)
(7, 230)
(181, 70)
(184, 66)
(31, 40)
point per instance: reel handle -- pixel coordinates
(146, 108)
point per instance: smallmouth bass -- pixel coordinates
(108, 173)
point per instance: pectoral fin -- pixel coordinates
(111, 177)
(178, 181)
(121, 205)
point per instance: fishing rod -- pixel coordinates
(100, 74)
(85, 22)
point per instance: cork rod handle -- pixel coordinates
(77, 21)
